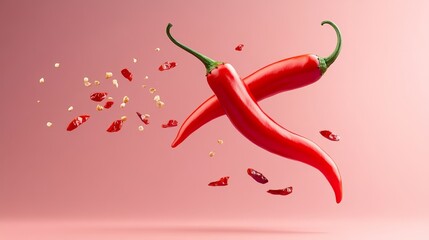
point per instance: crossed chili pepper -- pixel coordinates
(284, 75)
(237, 99)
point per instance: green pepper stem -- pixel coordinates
(324, 63)
(209, 63)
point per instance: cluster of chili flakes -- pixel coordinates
(257, 176)
(101, 96)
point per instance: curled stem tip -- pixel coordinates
(209, 63)
(327, 61)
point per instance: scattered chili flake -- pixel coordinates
(108, 104)
(109, 75)
(152, 90)
(41, 80)
(127, 74)
(160, 104)
(211, 154)
(220, 141)
(86, 82)
(115, 126)
(239, 47)
(125, 99)
(49, 124)
(223, 181)
(167, 66)
(134, 60)
(98, 96)
(140, 128)
(283, 192)
(329, 135)
(57, 65)
(170, 123)
(144, 117)
(76, 122)
(70, 109)
(122, 105)
(99, 108)
(157, 49)
(115, 83)
(259, 177)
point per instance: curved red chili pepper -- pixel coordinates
(251, 121)
(284, 75)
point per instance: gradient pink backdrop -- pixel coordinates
(375, 96)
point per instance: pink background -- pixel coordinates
(375, 96)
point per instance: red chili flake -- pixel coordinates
(259, 177)
(98, 96)
(76, 122)
(223, 181)
(283, 192)
(167, 66)
(115, 126)
(171, 123)
(329, 135)
(127, 74)
(239, 47)
(143, 117)
(108, 104)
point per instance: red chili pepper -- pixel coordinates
(115, 126)
(98, 96)
(251, 121)
(170, 123)
(283, 192)
(127, 74)
(108, 104)
(284, 75)
(259, 177)
(329, 135)
(221, 182)
(77, 122)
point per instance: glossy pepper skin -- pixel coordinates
(251, 121)
(284, 75)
